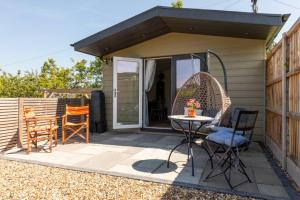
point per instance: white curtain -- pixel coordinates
(148, 82)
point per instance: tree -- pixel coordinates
(82, 74)
(177, 4)
(87, 75)
(96, 70)
(54, 77)
(19, 85)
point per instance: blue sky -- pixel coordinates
(34, 30)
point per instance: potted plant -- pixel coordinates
(193, 105)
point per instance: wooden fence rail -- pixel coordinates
(283, 101)
(12, 128)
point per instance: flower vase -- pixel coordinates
(191, 112)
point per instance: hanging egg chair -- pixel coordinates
(206, 89)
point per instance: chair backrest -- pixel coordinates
(29, 112)
(245, 123)
(78, 110)
(207, 90)
(234, 114)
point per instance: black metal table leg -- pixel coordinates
(184, 141)
(189, 140)
(202, 145)
(190, 146)
(192, 157)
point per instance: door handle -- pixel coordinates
(115, 92)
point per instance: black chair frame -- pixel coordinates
(230, 154)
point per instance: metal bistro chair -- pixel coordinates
(76, 128)
(230, 143)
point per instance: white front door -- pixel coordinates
(127, 93)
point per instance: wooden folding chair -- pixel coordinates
(76, 128)
(39, 128)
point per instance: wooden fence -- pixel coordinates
(283, 101)
(9, 120)
(12, 128)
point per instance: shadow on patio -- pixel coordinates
(143, 156)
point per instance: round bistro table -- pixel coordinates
(189, 134)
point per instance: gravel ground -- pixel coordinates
(28, 181)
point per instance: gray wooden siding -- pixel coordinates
(108, 92)
(244, 60)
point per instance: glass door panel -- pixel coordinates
(183, 67)
(127, 92)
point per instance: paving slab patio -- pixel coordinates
(143, 155)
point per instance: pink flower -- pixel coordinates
(192, 100)
(193, 103)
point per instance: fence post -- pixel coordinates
(266, 100)
(284, 101)
(82, 102)
(20, 122)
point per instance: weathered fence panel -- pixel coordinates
(294, 93)
(9, 119)
(283, 101)
(12, 126)
(274, 95)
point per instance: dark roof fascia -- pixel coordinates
(117, 28)
(185, 13)
(222, 16)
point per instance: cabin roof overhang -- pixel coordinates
(162, 20)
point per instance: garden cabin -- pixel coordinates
(148, 57)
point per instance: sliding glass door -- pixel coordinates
(183, 67)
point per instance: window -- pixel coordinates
(185, 69)
(184, 66)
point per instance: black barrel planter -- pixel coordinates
(98, 116)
